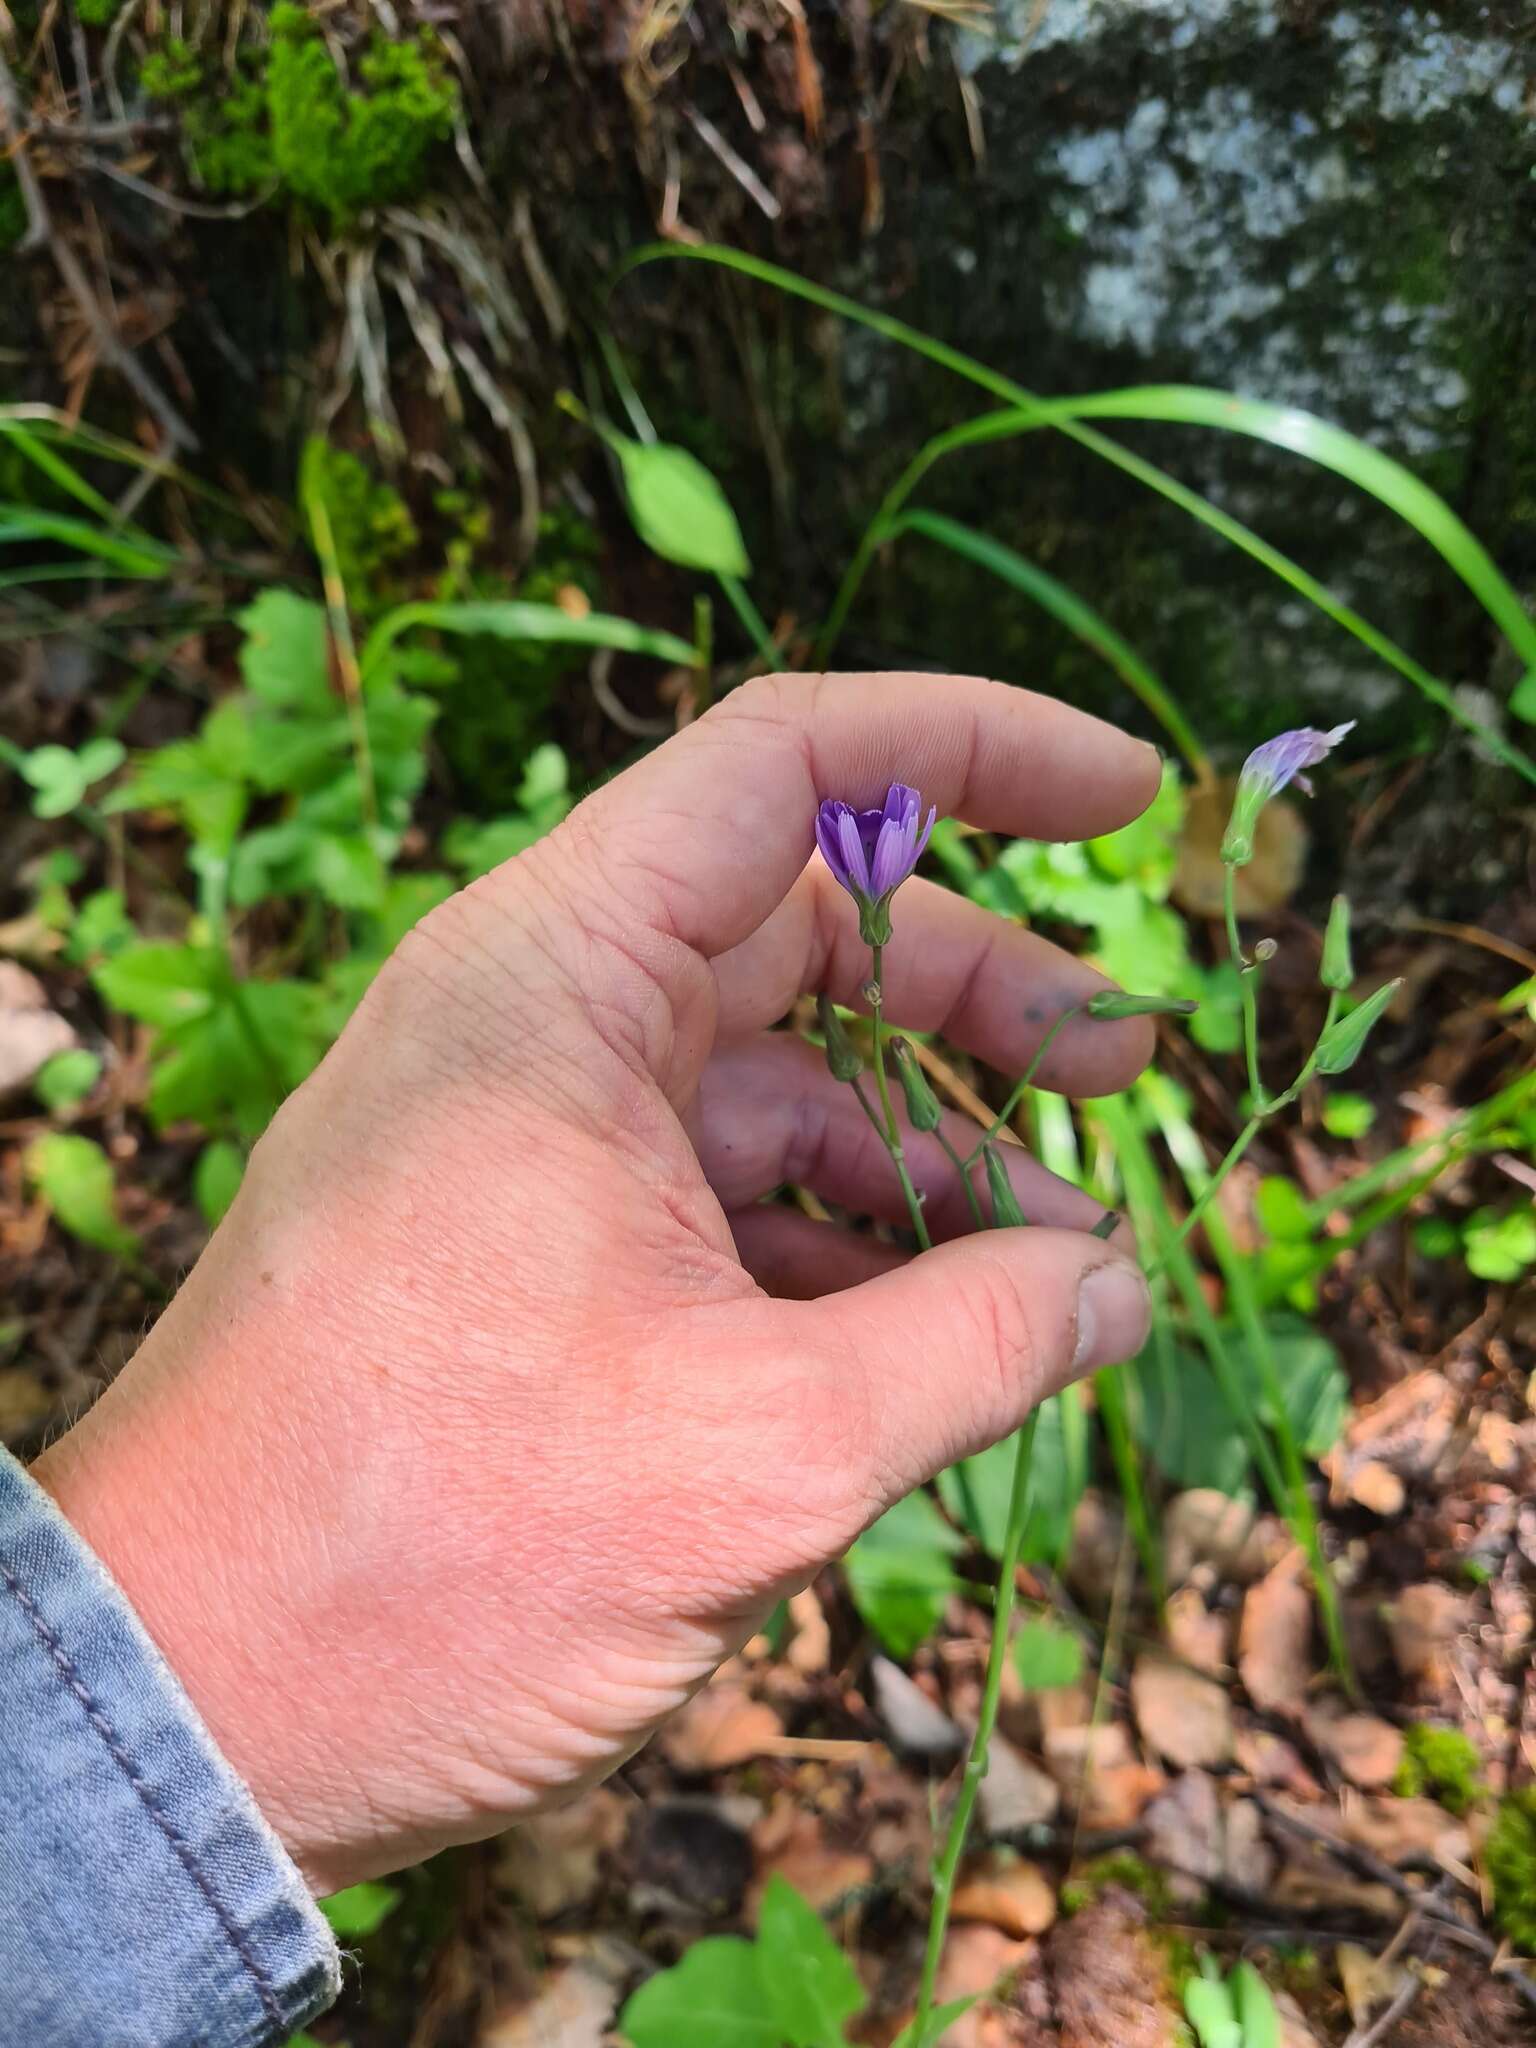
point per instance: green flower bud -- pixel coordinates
(1110, 1002)
(843, 1057)
(1342, 1043)
(922, 1104)
(1006, 1212)
(1338, 969)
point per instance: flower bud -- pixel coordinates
(843, 1057)
(922, 1104)
(1265, 951)
(1342, 1043)
(1268, 770)
(1338, 969)
(1006, 1212)
(1110, 1002)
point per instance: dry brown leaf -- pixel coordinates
(1008, 1893)
(720, 1726)
(1187, 1719)
(1424, 1621)
(1368, 1981)
(1364, 1748)
(1274, 1642)
(1268, 880)
(1248, 1861)
(1117, 1798)
(976, 1959)
(30, 1032)
(819, 1870)
(810, 1647)
(1401, 1436)
(1294, 2031)
(1197, 1634)
(1271, 1760)
(1396, 1829)
(1184, 1833)
(1069, 1751)
(555, 1862)
(1098, 1530)
(573, 2006)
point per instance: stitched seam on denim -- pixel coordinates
(182, 1848)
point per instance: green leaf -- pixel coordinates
(202, 780)
(1047, 1656)
(102, 925)
(66, 1079)
(1211, 2014)
(977, 1491)
(1255, 2008)
(128, 556)
(1344, 1040)
(1500, 1246)
(162, 984)
(1314, 1384)
(285, 658)
(520, 619)
(347, 871)
(714, 1998)
(355, 1913)
(899, 1572)
(1283, 1211)
(678, 509)
(75, 1178)
(811, 1985)
(1184, 1425)
(1436, 1237)
(216, 1181)
(940, 2020)
(61, 778)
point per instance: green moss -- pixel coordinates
(1126, 1870)
(1439, 1763)
(228, 141)
(1510, 1858)
(369, 522)
(97, 13)
(173, 72)
(342, 151)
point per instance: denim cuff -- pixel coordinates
(144, 1902)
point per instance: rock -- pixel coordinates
(1007, 1893)
(1248, 1861)
(1274, 1643)
(1184, 1833)
(810, 1647)
(1364, 1748)
(720, 1726)
(1016, 1794)
(1186, 1718)
(1197, 1634)
(912, 1720)
(1098, 1530)
(30, 1032)
(1203, 1526)
(689, 1859)
(1423, 1622)
(819, 1870)
(1117, 1798)
(1110, 1984)
(555, 1862)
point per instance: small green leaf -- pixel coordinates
(66, 1079)
(714, 1998)
(61, 778)
(1500, 1246)
(811, 1985)
(355, 1913)
(159, 983)
(977, 1491)
(940, 2020)
(1282, 1209)
(1111, 1003)
(900, 1575)
(1436, 1238)
(75, 1178)
(102, 925)
(1047, 1657)
(285, 659)
(1006, 1213)
(216, 1181)
(1344, 1040)
(1347, 1116)
(1255, 2008)
(678, 509)
(1211, 2014)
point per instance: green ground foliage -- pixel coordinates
(1440, 1763)
(1510, 1857)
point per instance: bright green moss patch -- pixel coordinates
(97, 13)
(173, 72)
(1439, 1763)
(341, 151)
(370, 526)
(1510, 1856)
(1127, 1871)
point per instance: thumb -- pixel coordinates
(947, 1355)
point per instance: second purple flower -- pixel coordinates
(871, 853)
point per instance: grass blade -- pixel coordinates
(515, 619)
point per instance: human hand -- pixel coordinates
(474, 1441)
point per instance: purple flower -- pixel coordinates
(1266, 772)
(872, 852)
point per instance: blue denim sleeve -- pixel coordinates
(144, 1902)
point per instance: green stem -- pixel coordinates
(751, 618)
(892, 1132)
(1207, 1195)
(1248, 983)
(1022, 1086)
(964, 1171)
(976, 1761)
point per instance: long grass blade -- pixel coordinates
(516, 619)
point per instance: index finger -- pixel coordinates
(705, 836)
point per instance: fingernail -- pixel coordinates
(1113, 1311)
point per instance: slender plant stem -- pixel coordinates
(740, 601)
(892, 1128)
(1248, 982)
(1022, 1086)
(1207, 1195)
(976, 1761)
(963, 1169)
